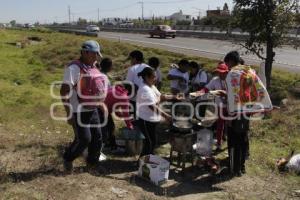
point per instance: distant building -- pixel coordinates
(113, 21)
(179, 16)
(218, 12)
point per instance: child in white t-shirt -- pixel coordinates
(133, 81)
(154, 63)
(179, 78)
(148, 111)
(198, 77)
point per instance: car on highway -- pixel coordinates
(27, 25)
(126, 25)
(163, 31)
(92, 28)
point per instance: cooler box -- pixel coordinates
(154, 169)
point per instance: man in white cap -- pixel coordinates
(84, 84)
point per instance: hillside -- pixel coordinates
(31, 142)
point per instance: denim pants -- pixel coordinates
(87, 135)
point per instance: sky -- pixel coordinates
(48, 11)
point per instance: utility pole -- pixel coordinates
(199, 12)
(98, 15)
(142, 4)
(69, 13)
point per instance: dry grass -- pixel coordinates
(31, 143)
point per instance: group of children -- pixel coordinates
(187, 77)
(140, 93)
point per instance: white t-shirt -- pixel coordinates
(217, 84)
(132, 75)
(71, 77)
(182, 86)
(106, 79)
(294, 164)
(158, 75)
(147, 96)
(201, 77)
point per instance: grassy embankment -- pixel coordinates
(25, 78)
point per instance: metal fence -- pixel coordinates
(183, 31)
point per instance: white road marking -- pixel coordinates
(120, 38)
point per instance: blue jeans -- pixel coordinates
(85, 137)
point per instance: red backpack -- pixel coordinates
(92, 86)
(116, 94)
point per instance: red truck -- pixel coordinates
(163, 31)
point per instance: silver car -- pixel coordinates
(92, 28)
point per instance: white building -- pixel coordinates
(114, 21)
(179, 16)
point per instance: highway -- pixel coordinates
(287, 58)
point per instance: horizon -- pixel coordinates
(45, 11)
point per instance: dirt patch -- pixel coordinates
(33, 40)
(32, 169)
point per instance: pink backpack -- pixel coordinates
(91, 87)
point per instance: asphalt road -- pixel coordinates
(287, 58)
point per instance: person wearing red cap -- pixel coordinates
(218, 84)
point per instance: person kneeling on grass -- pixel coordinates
(291, 164)
(117, 101)
(148, 111)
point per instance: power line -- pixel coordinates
(119, 8)
(90, 12)
(85, 12)
(168, 2)
(199, 11)
(104, 10)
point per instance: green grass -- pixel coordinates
(27, 73)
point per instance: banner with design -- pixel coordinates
(245, 91)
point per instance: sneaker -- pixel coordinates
(68, 166)
(102, 157)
